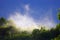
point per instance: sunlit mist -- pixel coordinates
(23, 22)
(28, 23)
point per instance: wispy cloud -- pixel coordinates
(27, 23)
(27, 7)
(47, 19)
(23, 22)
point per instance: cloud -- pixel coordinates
(47, 20)
(23, 22)
(28, 23)
(48, 23)
(27, 7)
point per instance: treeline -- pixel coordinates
(10, 33)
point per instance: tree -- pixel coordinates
(2, 21)
(4, 31)
(35, 34)
(59, 14)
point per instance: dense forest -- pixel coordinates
(10, 33)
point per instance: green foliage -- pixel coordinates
(2, 21)
(57, 38)
(58, 26)
(35, 34)
(9, 33)
(59, 15)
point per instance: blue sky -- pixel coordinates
(38, 9)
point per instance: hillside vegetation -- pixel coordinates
(10, 33)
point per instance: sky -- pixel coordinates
(30, 12)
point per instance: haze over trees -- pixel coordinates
(10, 33)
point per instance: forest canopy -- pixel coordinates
(11, 33)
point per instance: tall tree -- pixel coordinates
(2, 21)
